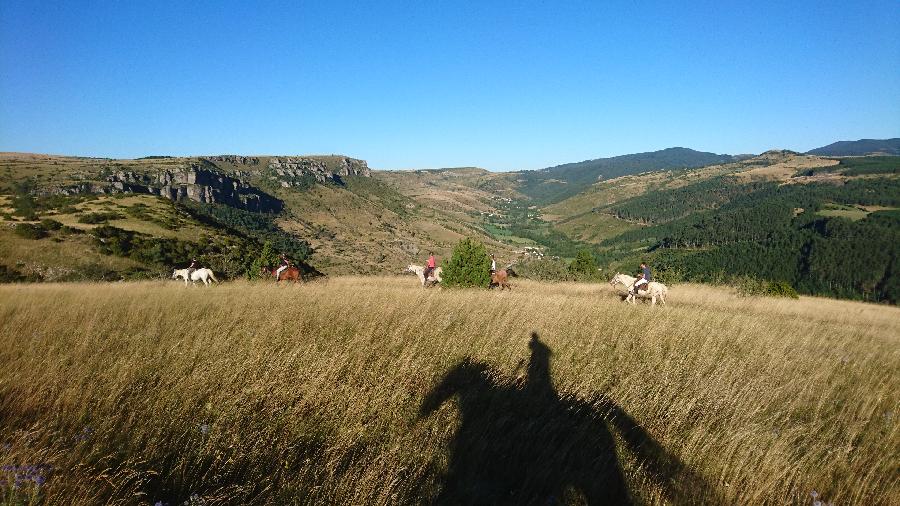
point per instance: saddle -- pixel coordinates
(643, 288)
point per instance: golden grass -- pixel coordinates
(140, 392)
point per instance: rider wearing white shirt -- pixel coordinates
(285, 263)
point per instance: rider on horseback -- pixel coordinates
(191, 268)
(493, 264)
(643, 279)
(429, 267)
(284, 264)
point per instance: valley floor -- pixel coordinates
(371, 390)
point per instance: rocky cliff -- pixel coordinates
(322, 169)
(223, 179)
(197, 182)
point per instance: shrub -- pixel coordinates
(468, 266)
(31, 231)
(94, 218)
(748, 285)
(48, 224)
(584, 266)
(67, 230)
(781, 289)
(544, 269)
(10, 275)
(113, 241)
(267, 258)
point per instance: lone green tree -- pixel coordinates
(267, 258)
(469, 265)
(584, 266)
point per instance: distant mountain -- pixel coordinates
(562, 181)
(861, 147)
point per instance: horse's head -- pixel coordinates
(616, 279)
(467, 374)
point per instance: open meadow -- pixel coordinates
(371, 390)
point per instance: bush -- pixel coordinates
(544, 269)
(781, 289)
(10, 275)
(67, 230)
(584, 266)
(95, 218)
(30, 231)
(267, 258)
(469, 265)
(748, 285)
(48, 224)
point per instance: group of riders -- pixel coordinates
(642, 283)
(283, 263)
(431, 265)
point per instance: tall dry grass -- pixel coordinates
(248, 393)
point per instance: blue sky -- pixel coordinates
(500, 85)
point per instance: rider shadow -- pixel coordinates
(520, 442)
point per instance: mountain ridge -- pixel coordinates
(861, 147)
(553, 184)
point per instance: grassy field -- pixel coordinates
(371, 390)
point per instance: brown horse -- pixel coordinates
(290, 274)
(499, 278)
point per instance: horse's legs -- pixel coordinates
(652, 300)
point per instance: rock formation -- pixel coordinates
(289, 169)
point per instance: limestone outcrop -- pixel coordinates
(292, 170)
(196, 182)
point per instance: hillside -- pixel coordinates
(861, 147)
(339, 392)
(325, 210)
(825, 226)
(553, 184)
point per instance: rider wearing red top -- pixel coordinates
(430, 267)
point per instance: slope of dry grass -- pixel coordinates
(327, 393)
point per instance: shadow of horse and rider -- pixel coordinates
(521, 442)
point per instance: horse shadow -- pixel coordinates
(521, 442)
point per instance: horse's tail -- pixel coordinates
(212, 276)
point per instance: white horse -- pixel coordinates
(655, 290)
(420, 271)
(203, 275)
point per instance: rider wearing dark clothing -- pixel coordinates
(191, 268)
(643, 280)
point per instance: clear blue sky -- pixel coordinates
(501, 85)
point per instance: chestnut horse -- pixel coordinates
(290, 274)
(499, 278)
